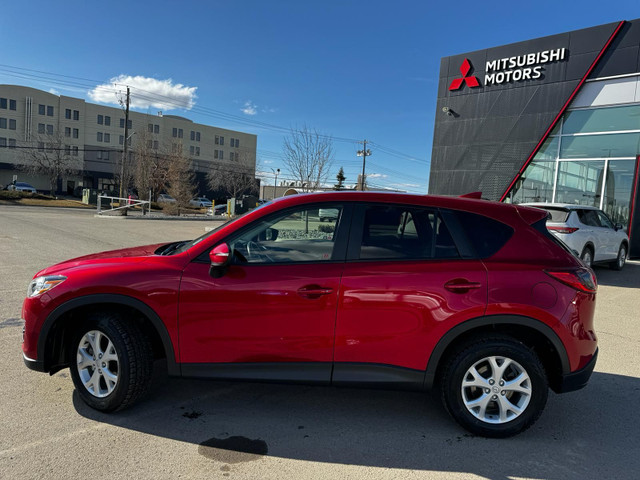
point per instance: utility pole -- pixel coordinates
(364, 153)
(126, 141)
(275, 184)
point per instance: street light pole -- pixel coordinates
(124, 155)
(275, 183)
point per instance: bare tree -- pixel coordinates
(48, 155)
(180, 178)
(235, 178)
(151, 166)
(308, 156)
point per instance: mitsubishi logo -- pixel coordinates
(470, 80)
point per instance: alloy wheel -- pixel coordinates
(496, 389)
(97, 363)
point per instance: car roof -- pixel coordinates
(568, 206)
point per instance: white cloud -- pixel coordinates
(146, 92)
(376, 175)
(405, 185)
(54, 91)
(249, 108)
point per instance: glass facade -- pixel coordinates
(589, 159)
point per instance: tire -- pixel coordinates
(492, 409)
(124, 377)
(620, 260)
(587, 256)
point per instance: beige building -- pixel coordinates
(92, 137)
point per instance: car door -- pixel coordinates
(404, 284)
(609, 232)
(272, 314)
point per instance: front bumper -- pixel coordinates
(36, 365)
(578, 379)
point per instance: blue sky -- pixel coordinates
(350, 69)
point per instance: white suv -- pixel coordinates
(589, 232)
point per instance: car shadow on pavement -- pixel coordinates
(580, 435)
(628, 277)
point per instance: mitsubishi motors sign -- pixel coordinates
(511, 69)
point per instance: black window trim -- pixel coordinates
(343, 230)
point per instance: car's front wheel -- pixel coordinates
(111, 362)
(494, 387)
(620, 260)
(587, 256)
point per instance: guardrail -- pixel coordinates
(123, 203)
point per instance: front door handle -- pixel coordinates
(314, 291)
(461, 285)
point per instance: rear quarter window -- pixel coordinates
(485, 234)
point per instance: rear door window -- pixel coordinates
(403, 232)
(589, 217)
(485, 234)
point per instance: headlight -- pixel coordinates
(42, 284)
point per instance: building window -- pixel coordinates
(129, 123)
(67, 131)
(100, 120)
(107, 120)
(3, 142)
(193, 135)
(3, 103)
(67, 114)
(12, 124)
(67, 149)
(41, 109)
(107, 138)
(237, 142)
(149, 143)
(217, 140)
(12, 143)
(231, 156)
(180, 133)
(3, 123)
(174, 132)
(197, 136)
(12, 106)
(215, 154)
(155, 144)
(41, 146)
(121, 140)
(76, 133)
(156, 129)
(74, 151)
(105, 154)
(99, 136)
(99, 154)
(76, 115)
(221, 140)
(197, 151)
(49, 111)
(41, 128)
(150, 128)
(49, 129)
(192, 149)
(221, 155)
(231, 142)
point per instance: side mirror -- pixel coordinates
(268, 235)
(618, 226)
(220, 258)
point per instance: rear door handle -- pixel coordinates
(461, 285)
(314, 291)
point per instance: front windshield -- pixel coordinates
(187, 245)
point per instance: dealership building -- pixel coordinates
(553, 119)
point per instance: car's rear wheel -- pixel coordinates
(111, 362)
(587, 256)
(494, 387)
(620, 260)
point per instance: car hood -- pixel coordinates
(125, 255)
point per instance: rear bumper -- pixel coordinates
(578, 379)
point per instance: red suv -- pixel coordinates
(399, 291)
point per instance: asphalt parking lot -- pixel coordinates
(201, 429)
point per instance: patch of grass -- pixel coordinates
(10, 197)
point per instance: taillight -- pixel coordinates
(581, 279)
(562, 229)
